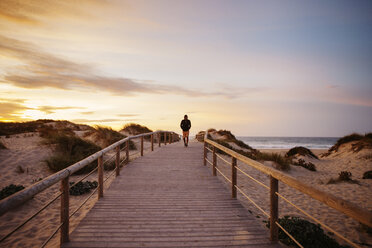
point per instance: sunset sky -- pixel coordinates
(257, 68)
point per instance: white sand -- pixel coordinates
(328, 167)
(27, 151)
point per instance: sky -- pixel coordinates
(257, 68)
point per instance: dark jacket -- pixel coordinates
(185, 125)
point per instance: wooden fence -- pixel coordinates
(348, 208)
(62, 176)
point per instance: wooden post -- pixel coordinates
(214, 162)
(165, 138)
(65, 210)
(152, 142)
(100, 178)
(117, 161)
(233, 178)
(141, 145)
(170, 138)
(127, 151)
(273, 208)
(159, 139)
(205, 154)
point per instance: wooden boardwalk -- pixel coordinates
(169, 199)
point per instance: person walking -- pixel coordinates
(185, 126)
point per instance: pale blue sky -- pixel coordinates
(282, 68)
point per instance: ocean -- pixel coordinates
(289, 142)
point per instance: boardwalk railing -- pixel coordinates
(63, 176)
(350, 209)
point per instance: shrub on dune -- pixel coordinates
(367, 175)
(343, 176)
(9, 128)
(308, 234)
(282, 163)
(107, 135)
(134, 129)
(10, 190)
(69, 150)
(361, 141)
(300, 150)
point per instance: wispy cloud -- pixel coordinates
(42, 69)
(11, 109)
(97, 120)
(87, 112)
(36, 12)
(127, 115)
(52, 109)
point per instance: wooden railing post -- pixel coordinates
(165, 138)
(214, 162)
(117, 161)
(152, 142)
(233, 178)
(141, 145)
(159, 139)
(65, 210)
(205, 154)
(127, 151)
(273, 208)
(100, 177)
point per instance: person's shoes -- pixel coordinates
(186, 145)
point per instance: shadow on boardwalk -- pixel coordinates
(169, 199)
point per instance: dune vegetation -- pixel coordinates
(10, 190)
(359, 142)
(105, 136)
(134, 129)
(308, 234)
(227, 139)
(69, 149)
(10, 128)
(302, 151)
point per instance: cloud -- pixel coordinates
(51, 109)
(102, 120)
(87, 112)
(10, 109)
(41, 69)
(38, 12)
(127, 115)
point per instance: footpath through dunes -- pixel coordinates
(169, 199)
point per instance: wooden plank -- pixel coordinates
(166, 199)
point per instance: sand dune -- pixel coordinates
(327, 167)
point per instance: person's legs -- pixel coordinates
(187, 138)
(184, 138)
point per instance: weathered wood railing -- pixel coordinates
(62, 176)
(348, 208)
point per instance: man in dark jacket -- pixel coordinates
(185, 125)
